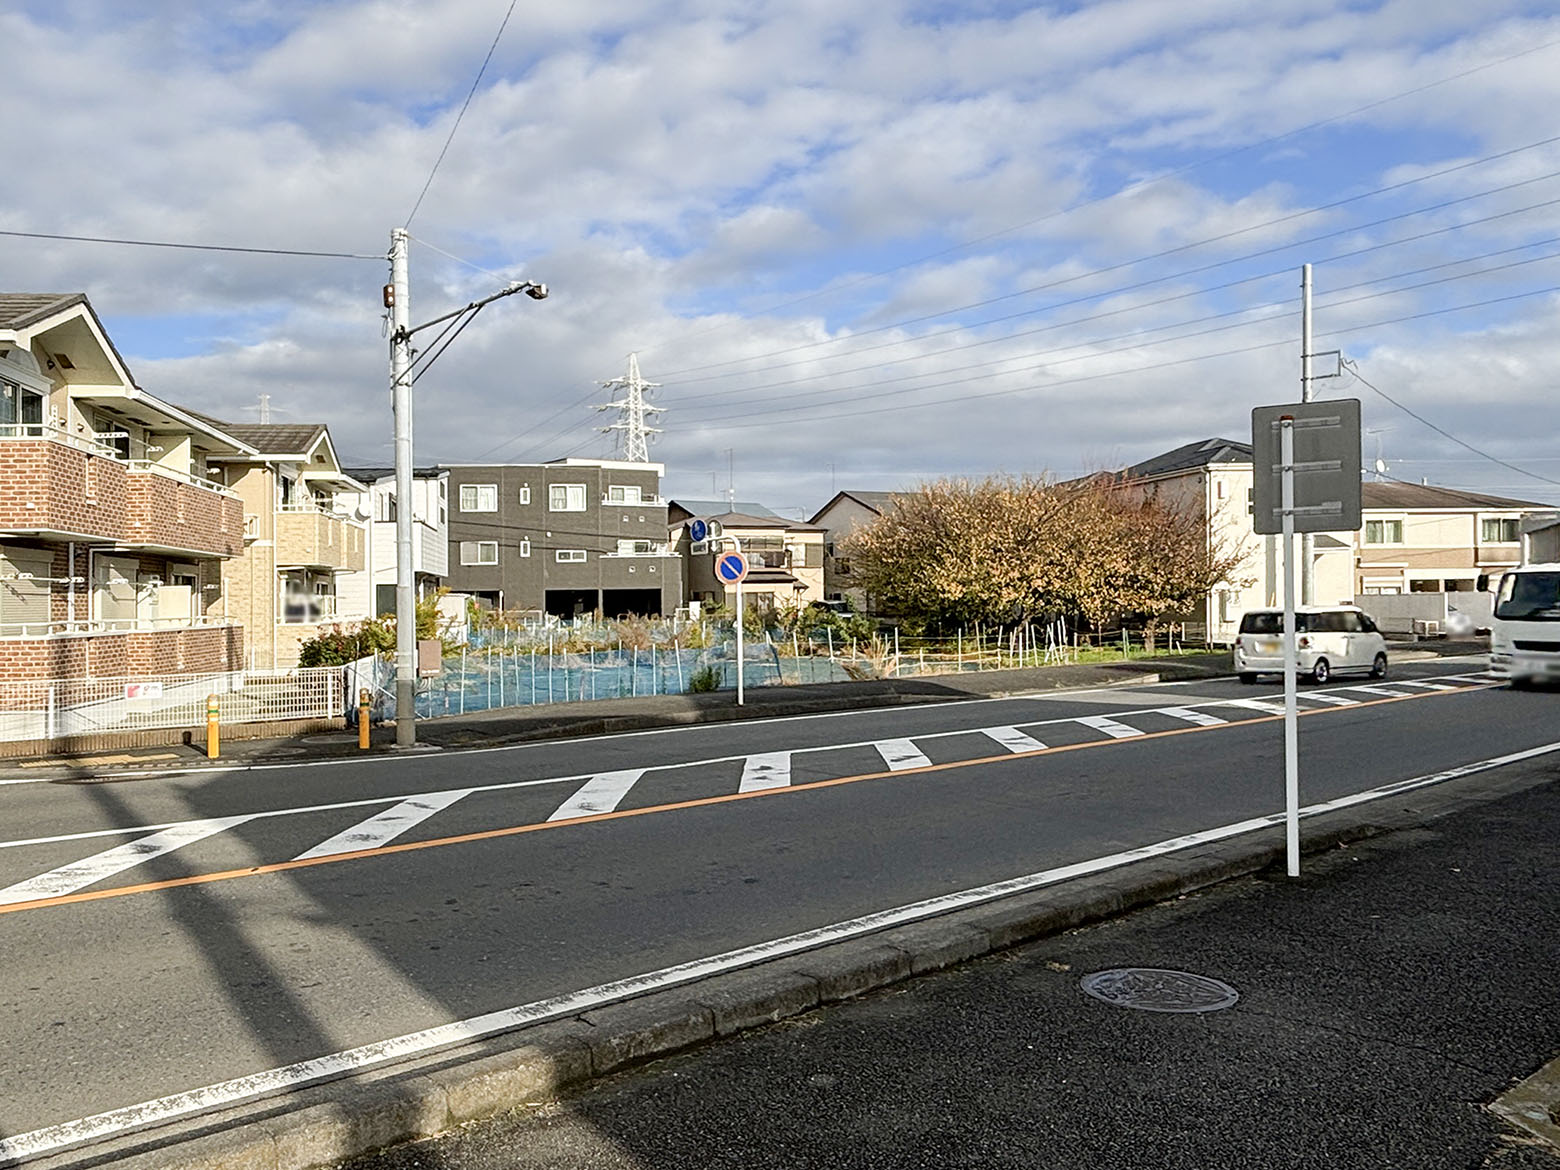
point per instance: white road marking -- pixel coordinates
(1429, 686)
(1384, 691)
(1013, 739)
(1109, 726)
(900, 754)
(599, 794)
(766, 770)
(1331, 700)
(69, 878)
(33, 1144)
(1253, 705)
(385, 827)
(1201, 718)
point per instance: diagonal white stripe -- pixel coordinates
(1253, 705)
(900, 754)
(766, 770)
(1384, 691)
(1331, 700)
(1109, 726)
(386, 826)
(1429, 686)
(1201, 718)
(599, 794)
(1013, 739)
(79, 874)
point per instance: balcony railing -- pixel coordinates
(109, 626)
(56, 434)
(308, 536)
(146, 465)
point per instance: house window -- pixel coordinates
(525, 548)
(625, 495)
(479, 552)
(1383, 532)
(525, 493)
(566, 497)
(1500, 530)
(635, 548)
(386, 510)
(570, 555)
(20, 409)
(479, 497)
(24, 591)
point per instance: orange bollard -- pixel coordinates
(213, 736)
(363, 705)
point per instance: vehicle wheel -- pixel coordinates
(1378, 668)
(1248, 679)
(1321, 672)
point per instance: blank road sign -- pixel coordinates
(1327, 466)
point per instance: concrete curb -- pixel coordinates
(324, 1125)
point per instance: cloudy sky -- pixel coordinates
(858, 243)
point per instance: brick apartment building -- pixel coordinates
(113, 531)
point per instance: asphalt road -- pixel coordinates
(1386, 997)
(165, 933)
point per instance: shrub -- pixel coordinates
(707, 678)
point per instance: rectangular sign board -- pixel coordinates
(1327, 466)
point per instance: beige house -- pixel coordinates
(114, 529)
(843, 515)
(1423, 539)
(785, 557)
(299, 542)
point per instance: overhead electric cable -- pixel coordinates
(1179, 248)
(192, 247)
(1140, 185)
(462, 114)
(1354, 369)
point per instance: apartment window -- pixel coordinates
(633, 548)
(625, 495)
(1500, 530)
(566, 497)
(1383, 532)
(19, 408)
(479, 552)
(24, 591)
(479, 497)
(386, 510)
(525, 493)
(570, 555)
(525, 548)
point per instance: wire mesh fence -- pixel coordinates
(50, 709)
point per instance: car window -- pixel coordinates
(1326, 623)
(1368, 624)
(1350, 622)
(1272, 623)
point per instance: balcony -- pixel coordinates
(309, 538)
(182, 513)
(60, 485)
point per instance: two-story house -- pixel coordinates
(300, 540)
(373, 590)
(843, 515)
(114, 527)
(569, 538)
(785, 557)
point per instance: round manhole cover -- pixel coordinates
(1150, 989)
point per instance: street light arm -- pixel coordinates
(529, 287)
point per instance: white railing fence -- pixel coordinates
(48, 709)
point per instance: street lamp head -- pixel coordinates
(537, 292)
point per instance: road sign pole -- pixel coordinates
(738, 588)
(1286, 427)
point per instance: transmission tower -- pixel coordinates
(634, 435)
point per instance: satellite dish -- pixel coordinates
(1381, 467)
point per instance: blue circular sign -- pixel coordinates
(697, 530)
(731, 567)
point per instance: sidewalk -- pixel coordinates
(1387, 997)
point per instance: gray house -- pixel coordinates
(571, 537)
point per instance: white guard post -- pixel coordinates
(740, 658)
(1286, 428)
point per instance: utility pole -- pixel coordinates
(1307, 576)
(634, 446)
(399, 301)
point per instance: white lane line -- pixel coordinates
(69, 878)
(1331, 700)
(294, 1076)
(1201, 718)
(1013, 739)
(599, 794)
(385, 827)
(765, 770)
(1252, 705)
(1109, 726)
(1429, 686)
(1384, 691)
(900, 754)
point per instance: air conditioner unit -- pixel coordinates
(1427, 628)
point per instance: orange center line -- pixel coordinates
(675, 806)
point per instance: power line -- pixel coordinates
(1134, 187)
(462, 114)
(191, 247)
(1179, 248)
(1353, 369)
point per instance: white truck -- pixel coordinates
(1525, 626)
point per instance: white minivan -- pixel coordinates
(1329, 640)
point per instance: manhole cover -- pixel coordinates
(1152, 990)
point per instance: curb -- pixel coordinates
(324, 1125)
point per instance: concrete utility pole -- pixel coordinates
(1307, 545)
(399, 298)
(634, 445)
